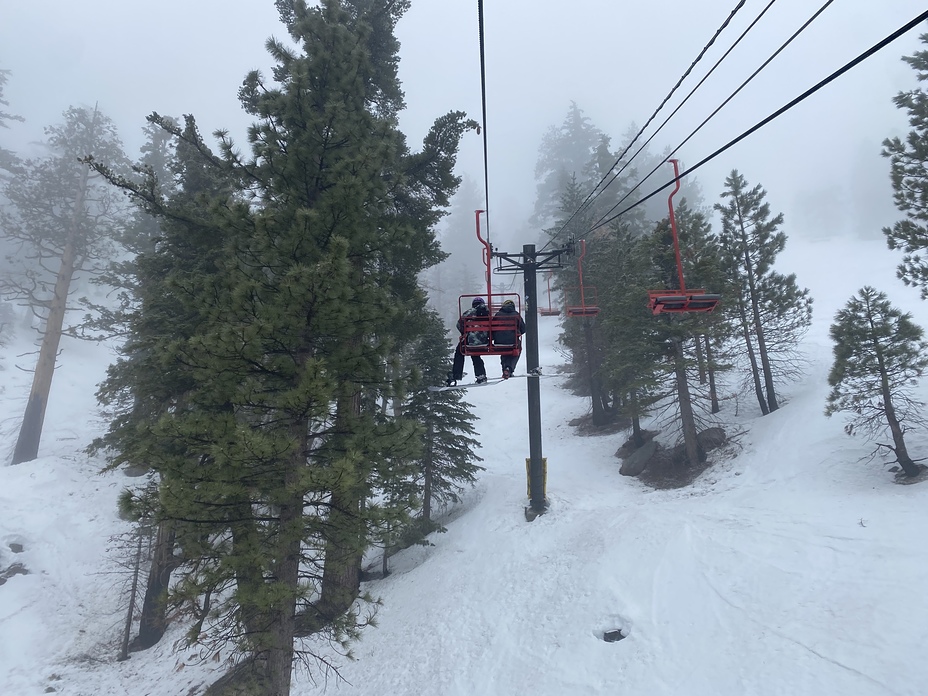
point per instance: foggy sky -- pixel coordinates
(820, 163)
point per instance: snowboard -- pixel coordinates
(489, 382)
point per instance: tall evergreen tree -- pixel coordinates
(66, 220)
(878, 355)
(678, 335)
(175, 239)
(448, 459)
(631, 347)
(579, 333)
(910, 179)
(750, 240)
(274, 458)
(565, 152)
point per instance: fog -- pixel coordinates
(820, 162)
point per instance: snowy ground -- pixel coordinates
(795, 568)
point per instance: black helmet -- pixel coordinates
(509, 303)
(477, 301)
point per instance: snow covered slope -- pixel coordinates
(793, 569)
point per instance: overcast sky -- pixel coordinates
(820, 163)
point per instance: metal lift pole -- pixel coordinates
(536, 475)
(529, 262)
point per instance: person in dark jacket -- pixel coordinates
(478, 308)
(508, 336)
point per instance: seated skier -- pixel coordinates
(473, 338)
(508, 337)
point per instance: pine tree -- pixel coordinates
(631, 348)
(910, 180)
(449, 445)
(274, 458)
(565, 152)
(766, 302)
(579, 333)
(8, 159)
(67, 221)
(174, 239)
(677, 335)
(878, 355)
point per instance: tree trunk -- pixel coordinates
(710, 370)
(902, 455)
(152, 621)
(764, 361)
(700, 360)
(637, 435)
(600, 417)
(344, 548)
(341, 575)
(758, 325)
(30, 434)
(895, 427)
(755, 372)
(287, 577)
(427, 473)
(691, 449)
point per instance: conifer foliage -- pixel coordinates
(910, 179)
(448, 461)
(879, 353)
(65, 220)
(8, 159)
(295, 279)
(772, 312)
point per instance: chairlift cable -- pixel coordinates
(783, 109)
(763, 65)
(591, 195)
(680, 105)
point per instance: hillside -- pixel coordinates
(792, 566)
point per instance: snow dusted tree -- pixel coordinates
(879, 354)
(772, 311)
(64, 219)
(910, 179)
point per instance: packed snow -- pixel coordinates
(792, 566)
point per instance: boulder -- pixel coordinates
(638, 460)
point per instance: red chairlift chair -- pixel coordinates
(487, 326)
(682, 300)
(584, 309)
(550, 311)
